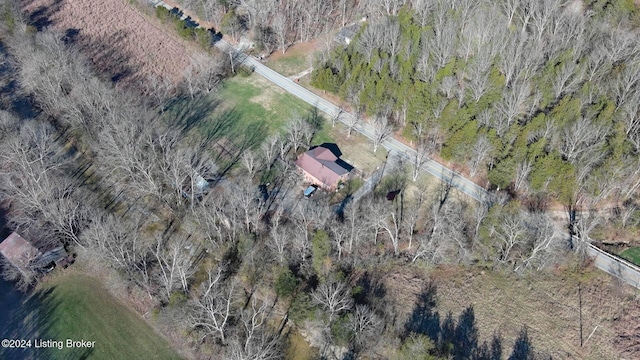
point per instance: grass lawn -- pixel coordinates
(356, 149)
(255, 102)
(290, 64)
(76, 306)
(632, 254)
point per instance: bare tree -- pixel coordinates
(424, 149)
(210, 219)
(34, 173)
(515, 103)
(542, 15)
(247, 204)
(356, 224)
(280, 241)
(256, 341)
(122, 245)
(159, 89)
(370, 40)
(352, 120)
(625, 84)
(512, 57)
(444, 238)
(204, 73)
(382, 129)
(567, 79)
(269, 149)
(365, 325)
(387, 218)
(334, 297)
(340, 236)
(631, 120)
(21, 270)
(481, 150)
(251, 162)
(411, 216)
(542, 243)
(510, 233)
(176, 263)
(281, 29)
(522, 173)
(213, 307)
(580, 136)
(444, 40)
(297, 129)
(510, 8)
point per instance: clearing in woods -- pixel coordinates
(116, 36)
(256, 101)
(547, 303)
(296, 59)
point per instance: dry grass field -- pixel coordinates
(116, 37)
(547, 303)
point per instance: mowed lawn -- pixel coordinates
(290, 64)
(257, 102)
(78, 307)
(632, 254)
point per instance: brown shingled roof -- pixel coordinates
(18, 250)
(321, 163)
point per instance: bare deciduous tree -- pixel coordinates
(214, 305)
(480, 152)
(334, 297)
(175, 258)
(365, 325)
(382, 129)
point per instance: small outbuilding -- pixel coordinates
(18, 251)
(23, 254)
(347, 33)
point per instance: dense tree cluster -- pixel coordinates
(538, 96)
(274, 25)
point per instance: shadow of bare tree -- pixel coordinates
(31, 318)
(456, 339)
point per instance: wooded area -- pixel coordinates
(538, 97)
(199, 215)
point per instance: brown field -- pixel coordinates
(116, 37)
(546, 303)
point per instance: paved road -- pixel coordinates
(441, 172)
(615, 266)
(603, 260)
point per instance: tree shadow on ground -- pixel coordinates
(11, 96)
(106, 58)
(102, 52)
(33, 319)
(186, 113)
(456, 339)
(42, 16)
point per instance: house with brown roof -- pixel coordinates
(23, 255)
(18, 251)
(322, 166)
